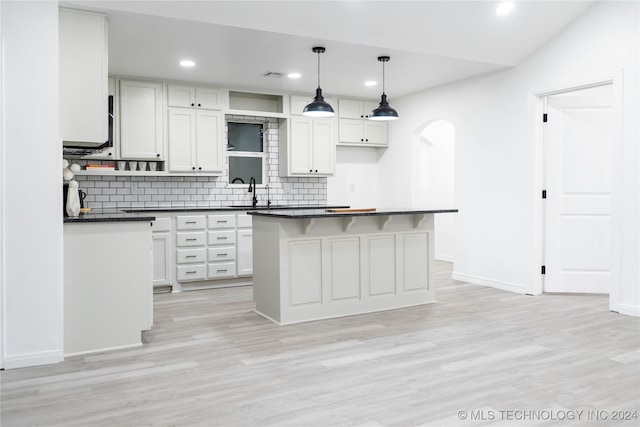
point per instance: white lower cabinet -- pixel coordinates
(190, 272)
(196, 251)
(244, 245)
(161, 238)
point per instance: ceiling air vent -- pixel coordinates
(274, 74)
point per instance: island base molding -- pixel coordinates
(329, 270)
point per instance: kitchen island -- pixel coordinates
(311, 264)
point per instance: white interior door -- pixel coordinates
(578, 149)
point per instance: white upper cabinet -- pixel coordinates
(195, 97)
(141, 135)
(196, 141)
(310, 149)
(353, 109)
(298, 103)
(83, 76)
(356, 129)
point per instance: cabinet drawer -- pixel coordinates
(221, 269)
(221, 253)
(190, 272)
(244, 220)
(190, 255)
(227, 237)
(190, 222)
(221, 221)
(190, 239)
(161, 224)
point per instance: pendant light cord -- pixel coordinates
(318, 69)
(383, 76)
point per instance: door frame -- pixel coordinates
(537, 106)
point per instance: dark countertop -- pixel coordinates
(108, 216)
(235, 208)
(321, 213)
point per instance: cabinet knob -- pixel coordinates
(199, 105)
(192, 104)
(193, 168)
(361, 116)
(310, 170)
(158, 155)
(316, 170)
(361, 139)
(366, 140)
(199, 168)
(109, 153)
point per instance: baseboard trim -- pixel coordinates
(443, 257)
(628, 309)
(483, 281)
(33, 359)
(100, 350)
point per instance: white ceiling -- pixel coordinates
(235, 42)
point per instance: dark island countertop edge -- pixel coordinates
(321, 213)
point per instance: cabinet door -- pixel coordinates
(244, 252)
(351, 130)
(209, 141)
(350, 109)
(376, 133)
(161, 261)
(182, 127)
(83, 76)
(368, 107)
(141, 120)
(300, 146)
(324, 147)
(181, 96)
(209, 99)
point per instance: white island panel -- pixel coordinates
(323, 266)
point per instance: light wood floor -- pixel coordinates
(210, 360)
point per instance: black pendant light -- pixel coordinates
(318, 107)
(383, 112)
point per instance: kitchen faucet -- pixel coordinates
(253, 189)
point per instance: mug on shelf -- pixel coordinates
(122, 165)
(133, 165)
(143, 166)
(153, 166)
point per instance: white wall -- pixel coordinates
(434, 177)
(32, 186)
(355, 182)
(496, 168)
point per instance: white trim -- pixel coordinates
(33, 359)
(536, 97)
(3, 294)
(443, 257)
(101, 350)
(518, 288)
(631, 310)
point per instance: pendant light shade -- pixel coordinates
(384, 112)
(318, 107)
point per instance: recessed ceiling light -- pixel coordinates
(187, 63)
(504, 8)
(370, 83)
(294, 75)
